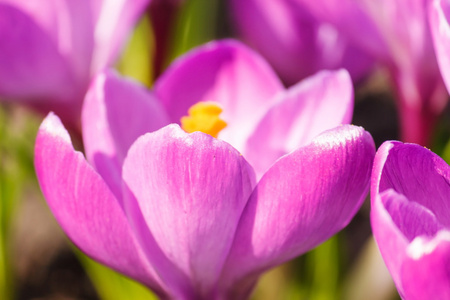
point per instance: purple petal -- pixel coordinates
(426, 272)
(115, 20)
(417, 173)
(305, 198)
(314, 105)
(116, 112)
(409, 201)
(84, 206)
(191, 190)
(226, 72)
(410, 218)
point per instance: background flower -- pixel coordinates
(397, 34)
(293, 41)
(49, 50)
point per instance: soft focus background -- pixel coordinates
(38, 262)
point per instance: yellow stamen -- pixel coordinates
(204, 117)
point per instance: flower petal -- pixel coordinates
(30, 63)
(84, 206)
(428, 276)
(115, 20)
(314, 105)
(417, 173)
(226, 72)
(191, 189)
(304, 45)
(302, 200)
(116, 112)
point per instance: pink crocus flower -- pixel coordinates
(293, 41)
(184, 213)
(411, 219)
(397, 34)
(50, 49)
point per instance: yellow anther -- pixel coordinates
(204, 117)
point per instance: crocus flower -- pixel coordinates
(411, 218)
(183, 212)
(397, 34)
(293, 41)
(49, 50)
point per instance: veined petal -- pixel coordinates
(314, 105)
(85, 207)
(191, 190)
(114, 21)
(417, 173)
(409, 205)
(302, 200)
(226, 72)
(426, 272)
(116, 112)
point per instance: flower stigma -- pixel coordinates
(204, 117)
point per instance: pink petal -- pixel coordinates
(314, 105)
(116, 112)
(114, 21)
(226, 72)
(302, 200)
(426, 272)
(84, 206)
(31, 65)
(191, 190)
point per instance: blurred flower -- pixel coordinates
(183, 213)
(440, 28)
(397, 34)
(49, 50)
(411, 218)
(294, 42)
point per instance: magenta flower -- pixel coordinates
(411, 218)
(397, 34)
(49, 50)
(183, 212)
(295, 43)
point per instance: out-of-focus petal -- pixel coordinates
(226, 72)
(440, 28)
(191, 189)
(300, 113)
(116, 112)
(85, 207)
(293, 41)
(114, 20)
(426, 271)
(306, 197)
(40, 73)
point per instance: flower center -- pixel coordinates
(204, 117)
